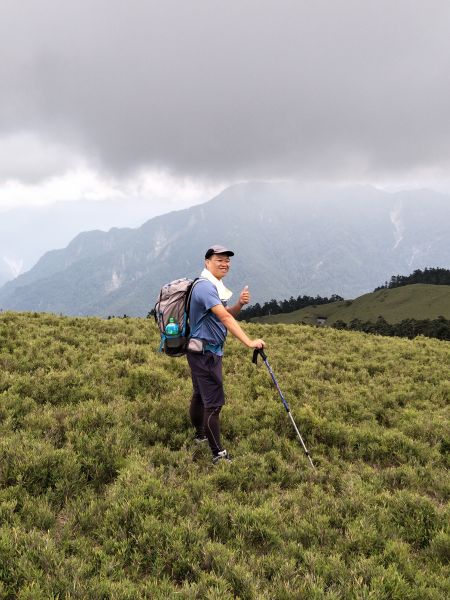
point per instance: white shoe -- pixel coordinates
(223, 455)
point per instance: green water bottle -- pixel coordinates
(172, 327)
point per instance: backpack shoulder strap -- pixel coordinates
(187, 305)
(191, 289)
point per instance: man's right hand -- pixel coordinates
(257, 344)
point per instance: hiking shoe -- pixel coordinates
(222, 456)
(200, 439)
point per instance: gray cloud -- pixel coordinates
(30, 158)
(232, 89)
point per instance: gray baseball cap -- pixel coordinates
(217, 249)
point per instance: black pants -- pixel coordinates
(208, 397)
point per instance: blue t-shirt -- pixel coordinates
(203, 322)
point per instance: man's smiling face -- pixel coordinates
(218, 265)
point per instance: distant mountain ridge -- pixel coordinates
(289, 239)
(27, 232)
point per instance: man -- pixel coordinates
(210, 318)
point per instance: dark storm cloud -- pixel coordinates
(232, 89)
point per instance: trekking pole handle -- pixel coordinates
(259, 351)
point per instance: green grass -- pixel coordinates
(418, 301)
(103, 496)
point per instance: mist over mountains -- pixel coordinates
(289, 240)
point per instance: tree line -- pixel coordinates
(275, 307)
(433, 276)
(410, 328)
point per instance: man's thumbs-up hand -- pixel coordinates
(244, 296)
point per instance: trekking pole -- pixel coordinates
(285, 404)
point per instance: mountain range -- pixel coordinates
(289, 239)
(26, 233)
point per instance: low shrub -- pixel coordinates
(103, 494)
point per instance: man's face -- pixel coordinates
(218, 265)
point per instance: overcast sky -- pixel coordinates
(177, 99)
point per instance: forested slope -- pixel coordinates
(102, 494)
(416, 301)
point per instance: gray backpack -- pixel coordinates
(172, 315)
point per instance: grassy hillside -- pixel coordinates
(102, 494)
(418, 301)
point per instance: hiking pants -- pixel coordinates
(208, 397)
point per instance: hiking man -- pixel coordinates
(210, 318)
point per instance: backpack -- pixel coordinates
(174, 301)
